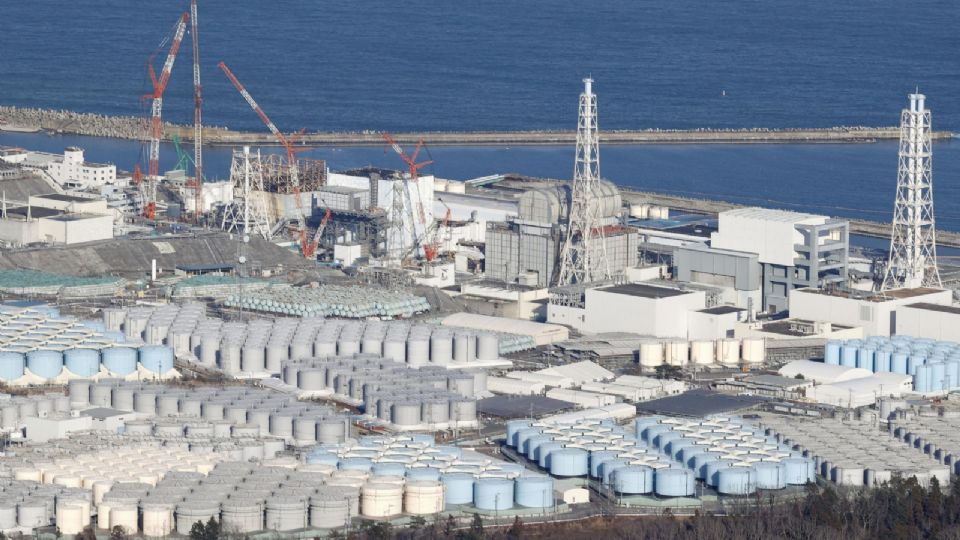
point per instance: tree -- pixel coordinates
(515, 532)
(118, 533)
(799, 376)
(198, 531)
(86, 534)
(476, 526)
(451, 525)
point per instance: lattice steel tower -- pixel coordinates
(913, 242)
(584, 255)
(248, 213)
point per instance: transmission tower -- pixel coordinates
(248, 213)
(913, 242)
(584, 255)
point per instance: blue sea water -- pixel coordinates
(497, 64)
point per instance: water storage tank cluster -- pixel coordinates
(38, 349)
(261, 346)
(728, 352)
(214, 412)
(934, 365)
(604, 451)
(332, 301)
(854, 453)
(27, 504)
(391, 392)
(431, 478)
(936, 432)
(728, 454)
(15, 410)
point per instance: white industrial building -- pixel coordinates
(70, 170)
(875, 313)
(846, 386)
(542, 334)
(56, 219)
(822, 373)
(928, 320)
(795, 250)
(633, 307)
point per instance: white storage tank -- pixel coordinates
(728, 351)
(677, 352)
(703, 352)
(423, 497)
(651, 354)
(754, 351)
(381, 500)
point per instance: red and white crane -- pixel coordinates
(197, 116)
(149, 190)
(287, 144)
(414, 169)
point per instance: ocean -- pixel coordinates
(503, 65)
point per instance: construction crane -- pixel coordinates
(149, 187)
(311, 250)
(197, 116)
(287, 144)
(432, 248)
(414, 169)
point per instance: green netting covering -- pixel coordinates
(332, 301)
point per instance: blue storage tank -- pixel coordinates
(94, 325)
(712, 468)
(513, 426)
(832, 352)
(922, 379)
(82, 362)
(770, 475)
(423, 473)
(493, 494)
(848, 355)
(650, 432)
(689, 452)
(569, 462)
(458, 488)
(324, 458)
(799, 471)
(355, 464)
(607, 468)
(531, 445)
(674, 483)
(543, 453)
(12, 365)
(521, 436)
(388, 469)
(953, 373)
(676, 445)
(156, 358)
(116, 337)
(120, 360)
(449, 451)
(513, 468)
(914, 361)
(423, 438)
(736, 481)
(633, 480)
(45, 364)
(882, 361)
(899, 362)
(534, 491)
(645, 421)
(596, 458)
(865, 358)
(939, 380)
(700, 462)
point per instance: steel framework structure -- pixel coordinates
(913, 241)
(583, 258)
(247, 214)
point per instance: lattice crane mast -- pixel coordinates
(197, 116)
(285, 142)
(149, 191)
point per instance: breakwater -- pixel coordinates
(128, 127)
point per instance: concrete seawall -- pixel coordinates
(127, 127)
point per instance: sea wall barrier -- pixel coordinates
(127, 127)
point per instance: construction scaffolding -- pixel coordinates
(311, 174)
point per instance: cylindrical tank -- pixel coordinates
(286, 513)
(702, 352)
(156, 359)
(381, 500)
(770, 475)
(728, 351)
(241, 515)
(651, 354)
(441, 347)
(79, 392)
(493, 493)
(31, 514)
(82, 362)
(329, 508)
(464, 347)
(674, 482)
(832, 352)
(754, 351)
(120, 361)
(459, 488)
(124, 516)
(534, 491)
(45, 364)
(488, 346)
(569, 462)
(423, 497)
(799, 471)
(196, 510)
(253, 359)
(157, 519)
(736, 481)
(634, 479)
(12, 365)
(418, 351)
(677, 352)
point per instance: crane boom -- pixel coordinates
(156, 110)
(414, 168)
(197, 116)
